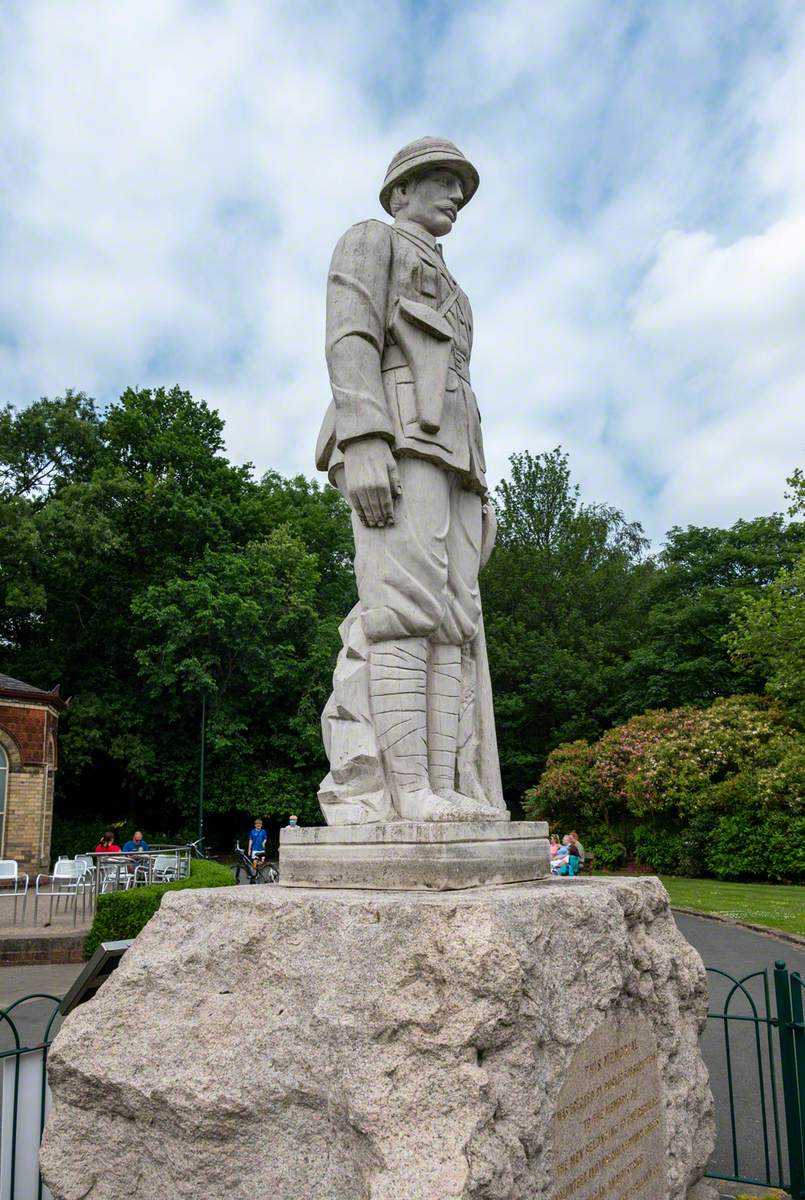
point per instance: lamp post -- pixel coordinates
(201, 768)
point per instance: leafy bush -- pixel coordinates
(742, 847)
(123, 914)
(692, 791)
(569, 792)
(73, 836)
(609, 853)
(660, 849)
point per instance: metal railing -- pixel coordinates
(25, 1096)
(115, 872)
(95, 874)
(763, 1047)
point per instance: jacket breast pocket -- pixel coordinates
(428, 281)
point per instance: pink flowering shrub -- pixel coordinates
(685, 789)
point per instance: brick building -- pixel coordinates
(29, 721)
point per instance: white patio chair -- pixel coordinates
(13, 883)
(165, 868)
(88, 864)
(66, 882)
(112, 872)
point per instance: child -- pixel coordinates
(257, 840)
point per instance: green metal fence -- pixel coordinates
(763, 1047)
(26, 1037)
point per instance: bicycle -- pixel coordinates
(257, 870)
(197, 850)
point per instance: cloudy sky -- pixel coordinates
(174, 175)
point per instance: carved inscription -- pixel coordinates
(608, 1139)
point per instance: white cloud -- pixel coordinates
(177, 174)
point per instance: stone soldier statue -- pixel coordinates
(409, 727)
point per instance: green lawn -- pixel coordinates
(778, 905)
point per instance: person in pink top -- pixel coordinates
(107, 844)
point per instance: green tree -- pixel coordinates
(703, 576)
(41, 449)
(235, 629)
(561, 594)
(768, 634)
(141, 569)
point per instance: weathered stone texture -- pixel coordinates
(414, 855)
(368, 1046)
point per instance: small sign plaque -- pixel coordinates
(608, 1134)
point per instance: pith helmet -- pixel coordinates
(426, 154)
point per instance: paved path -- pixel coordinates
(739, 952)
(30, 1019)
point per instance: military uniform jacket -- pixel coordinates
(382, 372)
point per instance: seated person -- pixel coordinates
(257, 840)
(559, 860)
(574, 838)
(567, 859)
(135, 843)
(553, 843)
(107, 844)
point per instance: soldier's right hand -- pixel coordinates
(372, 479)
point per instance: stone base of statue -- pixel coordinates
(531, 1042)
(407, 854)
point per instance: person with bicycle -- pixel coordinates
(257, 842)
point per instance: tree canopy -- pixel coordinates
(703, 577)
(145, 573)
(768, 629)
(561, 598)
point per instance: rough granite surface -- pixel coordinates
(324, 1045)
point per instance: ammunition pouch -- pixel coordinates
(426, 339)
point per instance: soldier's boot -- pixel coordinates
(444, 707)
(398, 675)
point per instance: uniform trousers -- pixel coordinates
(419, 576)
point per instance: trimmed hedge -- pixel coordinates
(123, 914)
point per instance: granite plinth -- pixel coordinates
(411, 855)
(533, 1042)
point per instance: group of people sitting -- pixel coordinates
(108, 845)
(567, 855)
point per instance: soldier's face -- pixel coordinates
(433, 201)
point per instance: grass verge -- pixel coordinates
(777, 905)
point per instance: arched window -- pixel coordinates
(3, 794)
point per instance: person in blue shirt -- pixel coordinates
(257, 840)
(135, 842)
